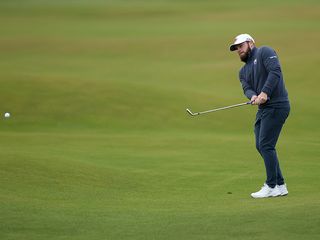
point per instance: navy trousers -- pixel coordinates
(268, 125)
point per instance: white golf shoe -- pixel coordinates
(283, 189)
(266, 191)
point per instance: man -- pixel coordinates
(263, 84)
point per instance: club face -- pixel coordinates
(192, 114)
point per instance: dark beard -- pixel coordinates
(246, 56)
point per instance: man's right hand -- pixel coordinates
(253, 98)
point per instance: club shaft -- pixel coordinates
(221, 108)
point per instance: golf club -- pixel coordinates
(217, 109)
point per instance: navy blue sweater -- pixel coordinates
(262, 73)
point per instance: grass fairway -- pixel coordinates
(99, 145)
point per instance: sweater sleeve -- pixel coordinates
(272, 65)
(247, 89)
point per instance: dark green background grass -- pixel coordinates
(99, 145)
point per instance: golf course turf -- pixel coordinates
(99, 144)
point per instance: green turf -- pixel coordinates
(99, 145)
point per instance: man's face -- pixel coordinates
(243, 49)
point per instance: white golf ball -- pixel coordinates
(7, 115)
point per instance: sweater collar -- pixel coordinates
(252, 54)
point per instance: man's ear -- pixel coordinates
(251, 45)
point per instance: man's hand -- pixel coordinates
(260, 99)
(253, 98)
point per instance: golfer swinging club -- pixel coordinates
(263, 84)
